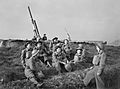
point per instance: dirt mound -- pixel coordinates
(70, 80)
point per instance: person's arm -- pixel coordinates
(44, 51)
(83, 54)
(50, 46)
(23, 56)
(76, 59)
(46, 38)
(70, 47)
(65, 58)
(54, 57)
(62, 47)
(102, 63)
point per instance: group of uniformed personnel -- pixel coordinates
(61, 60)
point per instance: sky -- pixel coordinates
(83, 19)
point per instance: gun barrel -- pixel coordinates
(37, 34)
(30, 14)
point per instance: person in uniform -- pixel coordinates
(60, 61)
(97, 70)
(31, 71)
(53, 44)
(44, 37)
(67, 49)
(44, 44)
(79, 56)
(26, 53)
(42, 55)
(34, 38)
(59, 44)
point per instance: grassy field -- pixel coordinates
(12, 72)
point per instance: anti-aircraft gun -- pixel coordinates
(35, 28)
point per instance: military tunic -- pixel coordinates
(78, 58)
(67, 50)
(52, 46)
(59, 57)
(42, 55)
(26, 54)
(59, 60)
(44, 38)
(31, 70)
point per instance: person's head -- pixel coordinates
(99, 47)
(34, 51)
(66, 41)
(79, 51)
(81, 46)
(44, 34)
(39, 45)
(55, 39)
(58, 50)
(39, 39)
(59, 44)
(28, 46)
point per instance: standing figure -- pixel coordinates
(26, 54)
(60, 61)
(31, 71)
(53, 44)
(97, 70)
(67, 49)
(44, 37)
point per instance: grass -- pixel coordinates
(12, 71)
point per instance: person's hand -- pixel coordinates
(98, 74)
(91, 67)
(63, 62)
(24, 65)
(22, 62)
(44, 54)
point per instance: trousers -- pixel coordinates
(93, 74)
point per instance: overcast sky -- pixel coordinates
(84, 19)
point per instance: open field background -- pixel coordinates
(12, 72)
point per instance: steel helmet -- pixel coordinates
(100, 45)
(68, 67)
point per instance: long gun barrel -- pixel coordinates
(30, 15)
(37, 34)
